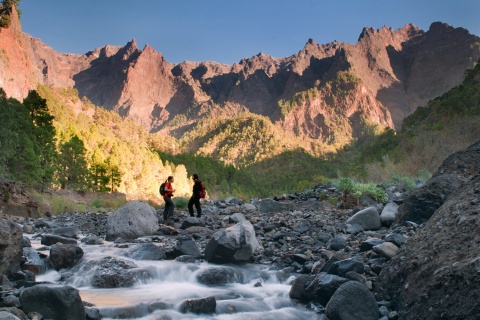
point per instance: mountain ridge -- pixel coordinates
(386, 75)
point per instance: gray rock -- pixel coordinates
(112, 273)
(134, 219)
(49, 239)
(147, 251)
(34, 262)
(92, 240)
(59, 303)
(218, 276)
(26, 242)
(65, 255)
(369, 244)
(249, 207)
(368, 218)
(7, 316)
(11, 301)
(337, 243)
(396, 238)
(272, 206)
(192, 222)
(11, 240)
(352, 301)
(66, 232)
(187, 246)
(199, 306)
(389, 213)
(354, 228)
(340, 268)
(40, 223)
(387, 250)
(235, 244)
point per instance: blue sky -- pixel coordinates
(225, 30)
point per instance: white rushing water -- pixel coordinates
(256, 293)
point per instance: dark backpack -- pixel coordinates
(162, 189)
(202, 193)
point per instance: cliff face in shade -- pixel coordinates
(398, 70)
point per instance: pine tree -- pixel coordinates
(73, 172)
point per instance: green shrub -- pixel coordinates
(97, 203)
(356, 190)
(60, 204)
(180, 202)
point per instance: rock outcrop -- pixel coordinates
(436, 273)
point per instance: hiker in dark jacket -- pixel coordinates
(169, 205)
(195, 199)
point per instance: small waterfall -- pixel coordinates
(159, 288)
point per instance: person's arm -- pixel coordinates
(168, 187)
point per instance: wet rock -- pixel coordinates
(49, 240)
(112, 273)
(352, 300)
(92, 314)
(33, 261)
(26, 242)
(11, 239)
(65, 255)
(217, 276)
(235, 244)
(187, 246)
(92, 240)
(66, 232)
(199, 306)
(147, 251)
(298, 289)
(134, 219)
(59, 303)
(185, 259)
(368, 218)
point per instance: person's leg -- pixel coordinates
(198, 207)
(190, 206)
(171, 207)
(167, 209)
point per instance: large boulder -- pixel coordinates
(352, 301)
(234, 244)
(421, 203)
(368, 218)
(134, 219)
(218, 276)
(187, 246)
(65, 255)
(11, 239)
(319, 289)
(59, 303)
(454, 172)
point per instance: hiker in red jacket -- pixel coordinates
(197, 194)
(169, 205)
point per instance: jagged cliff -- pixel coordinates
(393, 72)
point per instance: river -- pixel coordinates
(255, 292)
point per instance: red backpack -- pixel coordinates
(202, 193)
